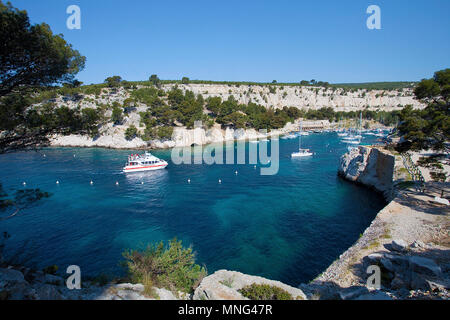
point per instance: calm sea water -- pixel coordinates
(287, 227)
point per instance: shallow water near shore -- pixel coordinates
(287, 227)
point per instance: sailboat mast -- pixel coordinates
(300, 136)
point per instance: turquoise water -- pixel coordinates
(287, 227)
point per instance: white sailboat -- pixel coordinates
(354, 138)
(301, 152)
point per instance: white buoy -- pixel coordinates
(142, 182)
(57, 182)
(74, 156)
(236, 172)
(220, 181)
(117, 183)
(255, 166)
(24, 183)
(189, 180)
(92, 182)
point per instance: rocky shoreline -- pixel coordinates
(181, 137)
(408, 239)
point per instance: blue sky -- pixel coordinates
(253, 40)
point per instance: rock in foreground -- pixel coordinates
(224, 285)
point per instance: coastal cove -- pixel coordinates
(309, 214)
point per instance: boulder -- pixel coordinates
(48, 292)
(441, 201)
(129, 286)
(224, 285)
(165, 294)
(387, 264)
(374, 257)
(418, 282)
(353, 292)
(130, 295)
(48, 278)
(425, 266)
(399, 245)
(418, 244)
(398, 283)
(10, 276)
(13, 285)
(374, 295)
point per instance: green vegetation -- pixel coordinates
(265, 292)
(438, 176)
(131, 132)
(117, 115)
(185, 80)
(430, 127)
(154, 80)
(113, 82)
(53, 269)
(172, 267)
(41, 59)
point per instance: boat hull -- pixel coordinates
(301, 154)
(130, 169)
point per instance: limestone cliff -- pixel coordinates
(307, 97)
(371, 167)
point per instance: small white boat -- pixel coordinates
(143, 162)
(289, 136)
(301, 153)
(303, 133)
(342, 134)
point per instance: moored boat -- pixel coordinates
(143, 162)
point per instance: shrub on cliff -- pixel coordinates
(117, 115)
(265, 292)
(131, 132)
(172, 266)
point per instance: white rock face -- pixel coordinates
(306, 97)
(224, 285)
(117, 141)
(369, 166)
(181, 137)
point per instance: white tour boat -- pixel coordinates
(144, 162)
